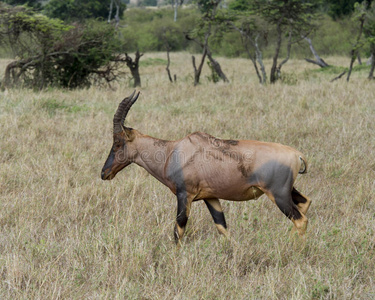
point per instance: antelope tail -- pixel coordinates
(303, 167)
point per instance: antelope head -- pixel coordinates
(121, 154)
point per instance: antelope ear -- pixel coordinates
(129, 134)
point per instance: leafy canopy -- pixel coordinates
(50, 52)
(79, 10)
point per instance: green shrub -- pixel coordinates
(50, 53)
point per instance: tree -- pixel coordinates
(359, 16)
(369, 33)
(133, 66)
(117, 4)
(212, 24)
(340, 8)
(250, 32)
(291, 18)
(255, 20)
(175, 5)
(77, 10)
(318, 60)
(51, 53)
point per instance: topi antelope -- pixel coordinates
(202, 167)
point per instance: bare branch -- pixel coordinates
(338, 77)
(289, 46)
(319, 61)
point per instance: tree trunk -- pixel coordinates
(319, 61)
(167, 68)
(371, 74)
(258, 54)
(175, 10)
(216, 66)
(134, 67)
(338, 77)
(11, 77)
(354, 50)
(117, 16)
(110, 11)
(198, 71)
(369, 61)
(273, 74)
(289, 46)
(253, 60)
(259, 58)
(359, 58)
(7, 77)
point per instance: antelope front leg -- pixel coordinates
(217, 214)
(183, 212)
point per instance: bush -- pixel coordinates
(51, 53)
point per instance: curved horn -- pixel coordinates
(122, 111)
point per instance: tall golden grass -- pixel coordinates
(66, 234)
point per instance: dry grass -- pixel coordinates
(65, 233)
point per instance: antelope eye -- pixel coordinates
(116, 145)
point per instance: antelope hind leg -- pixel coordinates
(291, 210)
(303, 203)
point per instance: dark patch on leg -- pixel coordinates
(303, 203)
(175, 174)
(218, 216)
(297, 197)
(286, 205)
(182, 216)
(181, 210)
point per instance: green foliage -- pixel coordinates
(214, 77)
(369, 28)
(293, 13)
(94, 46)
(50, 53)
(340, 8)
(207, 6)
(148, 3)
(72, 10)
(36, 4)
(145, 29)
(149, 30)
(240, 5)
(330, 38)
(28, 33)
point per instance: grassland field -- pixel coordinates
(66, 234)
